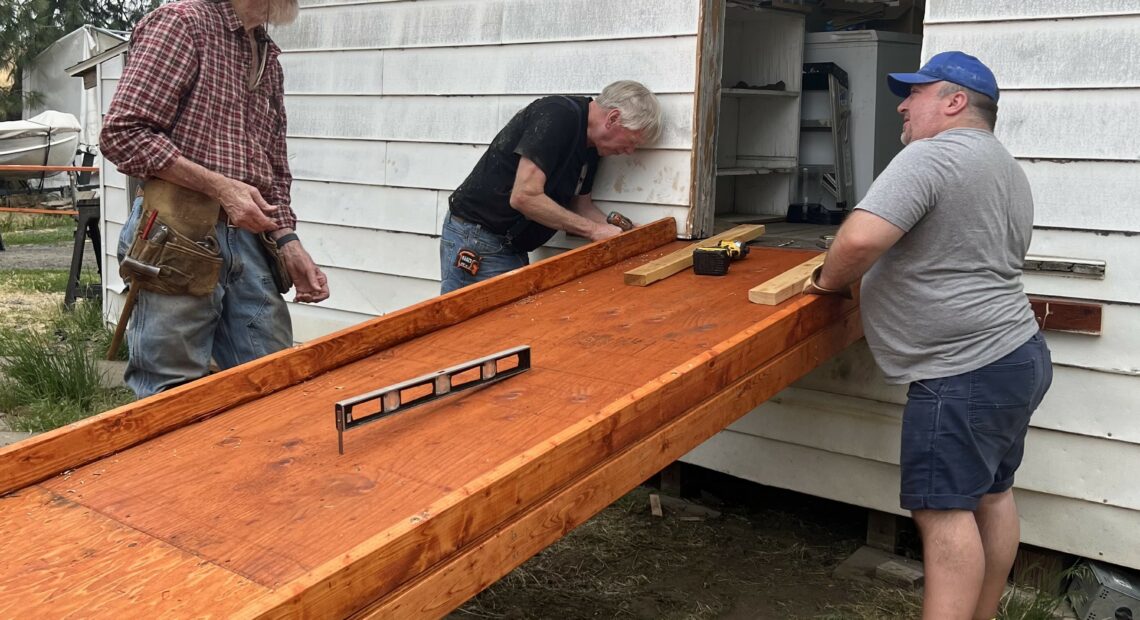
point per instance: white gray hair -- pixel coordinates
(282, 12)
(640, 110)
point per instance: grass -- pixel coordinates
(49, 376)
(42, 280)
(33, 229)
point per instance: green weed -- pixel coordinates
(42, 280)
(43, 236)
(15, 222)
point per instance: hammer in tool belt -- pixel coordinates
(132, 269)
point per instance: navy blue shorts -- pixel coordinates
(963, 436)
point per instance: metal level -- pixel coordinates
(391, 400)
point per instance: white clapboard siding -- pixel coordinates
(1113, 351)
(662, 65)
(111, 175)
(366, 206)
(871, 430)
(942, 11)
(374, 293)
(489, 22)
(376, 251)
(115, 204)
(313, 320)
(1086, 195)
(1118, 250)
(1080, 401)
(1098, 52)
(1070, 124)
(650, 176)
(1093, 530)
(463, 119)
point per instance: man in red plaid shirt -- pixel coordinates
(201, 104)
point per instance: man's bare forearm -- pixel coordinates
(542, 209)
(194, 176)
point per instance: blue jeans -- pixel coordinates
(495, 256)
(964, 436)
(173, 337)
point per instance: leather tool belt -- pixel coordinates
(175, 250)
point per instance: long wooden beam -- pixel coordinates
(39, 457)
(445, 587)
(786, 285)
(682, 259)
(386, 560)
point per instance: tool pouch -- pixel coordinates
(177, 252)
(184, 267)
(276, 259)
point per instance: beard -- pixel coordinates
(282, 12)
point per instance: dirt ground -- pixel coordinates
(15, 304)
(745, 552)
(767, 554)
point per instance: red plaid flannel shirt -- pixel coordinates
(194, 54)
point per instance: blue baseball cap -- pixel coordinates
(957, 67)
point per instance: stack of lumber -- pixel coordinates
(227, 497)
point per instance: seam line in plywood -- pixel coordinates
(1026, 18)
(645, 37)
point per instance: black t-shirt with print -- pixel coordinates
(551, 132)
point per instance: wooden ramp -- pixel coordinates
(227, 498)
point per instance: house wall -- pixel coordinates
(1070, 89)
(391, 103)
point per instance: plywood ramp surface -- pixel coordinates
(253, 512)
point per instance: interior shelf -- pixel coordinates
(743, 170)
(757, 92)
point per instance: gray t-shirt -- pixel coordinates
(947, 298)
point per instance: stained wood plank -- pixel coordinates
(682, 259)
(41, 456)
(1067, 315)
(365, 572)
(481, 564)
(62, 559)
(786, 285)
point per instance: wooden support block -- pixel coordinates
(883, 530)
(683, 259)
(786, 285)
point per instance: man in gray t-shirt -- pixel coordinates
(940, 239)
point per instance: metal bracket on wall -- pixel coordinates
(429, 387)
(1058, 266)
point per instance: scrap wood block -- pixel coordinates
(786, 285)
(682, 259)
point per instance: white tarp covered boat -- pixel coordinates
(47, 139)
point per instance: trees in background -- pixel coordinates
(28, 27)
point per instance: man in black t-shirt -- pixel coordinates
(535, 179)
